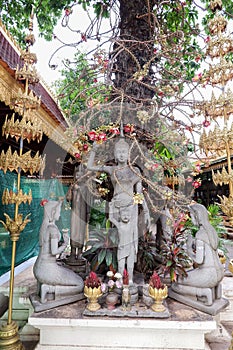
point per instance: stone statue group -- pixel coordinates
(59, 285)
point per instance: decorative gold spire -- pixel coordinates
(219, 141)
(30, 129)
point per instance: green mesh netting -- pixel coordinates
(27, 245)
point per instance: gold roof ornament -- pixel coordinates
(217, 25)
(174, 180)
(219, 141)
(222, 178)
(218, 107)
(25, 162)
(216, 5)
(23, 128)
(226, 204)
(11, 197)
(219, 46)
(220, 73)
(25, 101)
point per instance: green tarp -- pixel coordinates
(27, 246)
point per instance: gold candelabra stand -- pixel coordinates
(28, 128)
(219, 141)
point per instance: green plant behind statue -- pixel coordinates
(101, 248)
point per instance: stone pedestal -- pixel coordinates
(65, 328)
(227, 289)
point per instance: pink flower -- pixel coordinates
(77, 155)
(198, 167)
(207, 39)
(101, 137)
(196, 183)
(105, 64)
(115, 131)
(197, 77)
(189, 179)
(43, 202)
(206, 123)
(103, 287)
(111, 283)
(92, 135)
(85, 147)
(128, 128)
(118, 284)
(154, 166)
(68, 11)
(83, 37)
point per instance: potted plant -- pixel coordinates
(101, 251)
(92, 290)
(114, 283)
(147, 257)
(158, 291)
(174, 256)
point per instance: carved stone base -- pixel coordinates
(217, 306)
(50, 304)
(78, 265)
(66, 328)
(135, 311)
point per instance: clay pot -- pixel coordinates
(111, 300)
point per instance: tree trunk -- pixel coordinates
(133, 50)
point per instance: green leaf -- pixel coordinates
(108, 258)
(108, 224)
(169, 263)
(101, 256)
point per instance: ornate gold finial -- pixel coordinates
(24, 129)
(219, 141)
(13, 161)
(10, 197)
(15, 226)
(215, 5)
(30, 38)
(26, 100)
(30, 129)
(217, 25)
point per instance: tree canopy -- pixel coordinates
(144, 70)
